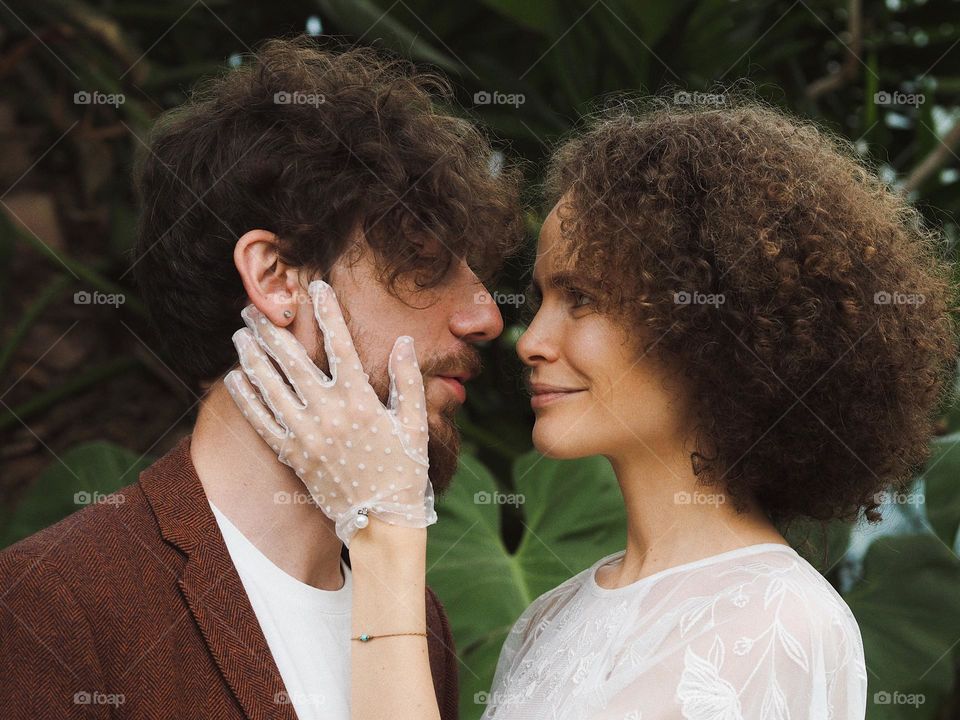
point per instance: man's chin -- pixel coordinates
(443, 449)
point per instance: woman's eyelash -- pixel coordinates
(578, 297)
(576, 294)
(531, 295)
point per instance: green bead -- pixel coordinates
(364, 637)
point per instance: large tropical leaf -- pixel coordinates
(572, 515)
(84, 474)
(908, 609)
(941, 490)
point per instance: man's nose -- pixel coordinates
(478, 319)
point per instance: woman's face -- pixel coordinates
(593, 391)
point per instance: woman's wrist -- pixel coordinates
(381, 544)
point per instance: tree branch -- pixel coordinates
(934, 161)
(851, 65)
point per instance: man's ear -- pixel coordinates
(270, 284)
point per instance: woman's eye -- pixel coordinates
(580, 299)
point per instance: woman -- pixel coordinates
(752, 329)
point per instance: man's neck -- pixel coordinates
(243, 478)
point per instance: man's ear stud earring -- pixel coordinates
(288, 313)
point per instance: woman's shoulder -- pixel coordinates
(775, 577)
(778, 591)
(772, 630)
(555, 601)
(782, 577)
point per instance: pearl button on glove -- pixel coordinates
(355, 456)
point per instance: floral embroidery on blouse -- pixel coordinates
(754, 633)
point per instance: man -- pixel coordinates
(216, 590)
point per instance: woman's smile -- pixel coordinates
(543, 394)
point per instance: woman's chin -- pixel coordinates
(558, 443)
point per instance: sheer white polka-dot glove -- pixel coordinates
(355, 456)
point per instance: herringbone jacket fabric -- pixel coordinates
(135, 610)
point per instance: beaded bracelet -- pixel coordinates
(364, 637)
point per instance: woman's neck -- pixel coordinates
(672, 519)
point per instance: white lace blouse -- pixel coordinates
(754, 633)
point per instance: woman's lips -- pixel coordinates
(541, 399)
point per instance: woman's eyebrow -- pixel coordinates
(564, 279)
(561, 280)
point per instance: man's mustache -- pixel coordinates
(463, 361)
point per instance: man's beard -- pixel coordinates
(443, 445)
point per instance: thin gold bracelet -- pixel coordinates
(364, 637)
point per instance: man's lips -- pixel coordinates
(456, 385)
(543, 394)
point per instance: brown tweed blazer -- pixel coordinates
(135, 610)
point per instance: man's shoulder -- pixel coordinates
(106, 538)
(436, 613)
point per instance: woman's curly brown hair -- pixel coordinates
(818, 364)
(310, 144)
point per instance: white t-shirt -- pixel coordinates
(307, 629)
(751, 633)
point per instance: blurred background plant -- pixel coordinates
(87, 403)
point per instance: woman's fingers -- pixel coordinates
(259, 371)
(341, 353)
(283, 346)
(246, 398)
(407, 399)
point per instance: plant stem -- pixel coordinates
(47, 296)
(73, 386)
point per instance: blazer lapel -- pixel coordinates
(212, 588)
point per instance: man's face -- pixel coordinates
(445, 322)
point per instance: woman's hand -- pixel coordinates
(354, 455)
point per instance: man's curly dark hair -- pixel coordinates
(819, 363)
(310, 144)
